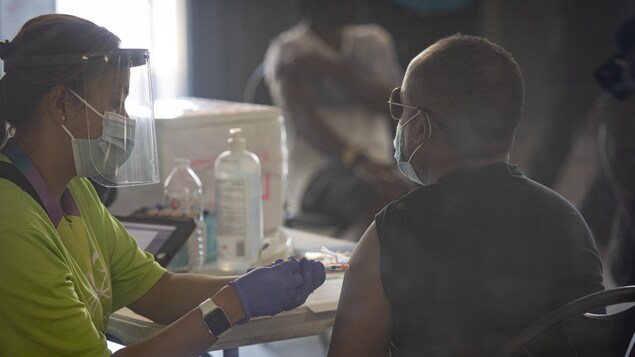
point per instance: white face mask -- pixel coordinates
(406, 167)
(102, 156)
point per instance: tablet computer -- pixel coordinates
(160, 236)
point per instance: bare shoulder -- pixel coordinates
(363, 323)
(366, 252)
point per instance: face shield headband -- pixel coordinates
(133, 56)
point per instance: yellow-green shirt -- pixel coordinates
(60, 281)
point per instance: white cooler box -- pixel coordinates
(198, 128)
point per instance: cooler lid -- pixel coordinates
(192, 111)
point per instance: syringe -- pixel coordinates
(341, 262)
(336, 267)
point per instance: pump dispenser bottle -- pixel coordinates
(237, 180)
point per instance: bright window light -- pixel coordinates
(130, 20)
(153, 24)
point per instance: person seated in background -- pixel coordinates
(459, 266)
(609, 203)
(331, 77)
(66, 263)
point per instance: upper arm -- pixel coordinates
(377, 44)
(133, 272)
(294, 92)
(287, 79)
(281, 73)
(363, 323)
(296, 98)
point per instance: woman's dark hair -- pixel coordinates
(22, 88)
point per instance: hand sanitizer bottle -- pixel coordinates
(237, 180)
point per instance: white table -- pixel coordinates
(312, 318)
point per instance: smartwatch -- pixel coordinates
(214, 317)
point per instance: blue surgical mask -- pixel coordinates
(102, 156)
(406, 167)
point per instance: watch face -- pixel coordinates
(217, 322)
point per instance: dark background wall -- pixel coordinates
(228, 39)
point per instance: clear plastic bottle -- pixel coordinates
(183, 193)
(237, 179)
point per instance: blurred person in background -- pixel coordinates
(331, 77)
(609, 204)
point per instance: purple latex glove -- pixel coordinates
(313, 275)
(266, 291)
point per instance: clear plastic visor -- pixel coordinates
(119, 114)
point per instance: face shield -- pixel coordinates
(118, 147)
(118, 107)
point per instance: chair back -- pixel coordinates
(256, 90)
(577, 330)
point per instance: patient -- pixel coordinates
(459, 266)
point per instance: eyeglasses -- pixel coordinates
(396, 107)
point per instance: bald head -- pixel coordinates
(472, 86)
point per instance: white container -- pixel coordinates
(197, 128)
(237, 179)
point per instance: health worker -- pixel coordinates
(73, 104)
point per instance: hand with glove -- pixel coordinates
(281, 286)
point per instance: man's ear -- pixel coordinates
(58, 98)
(423, 128)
